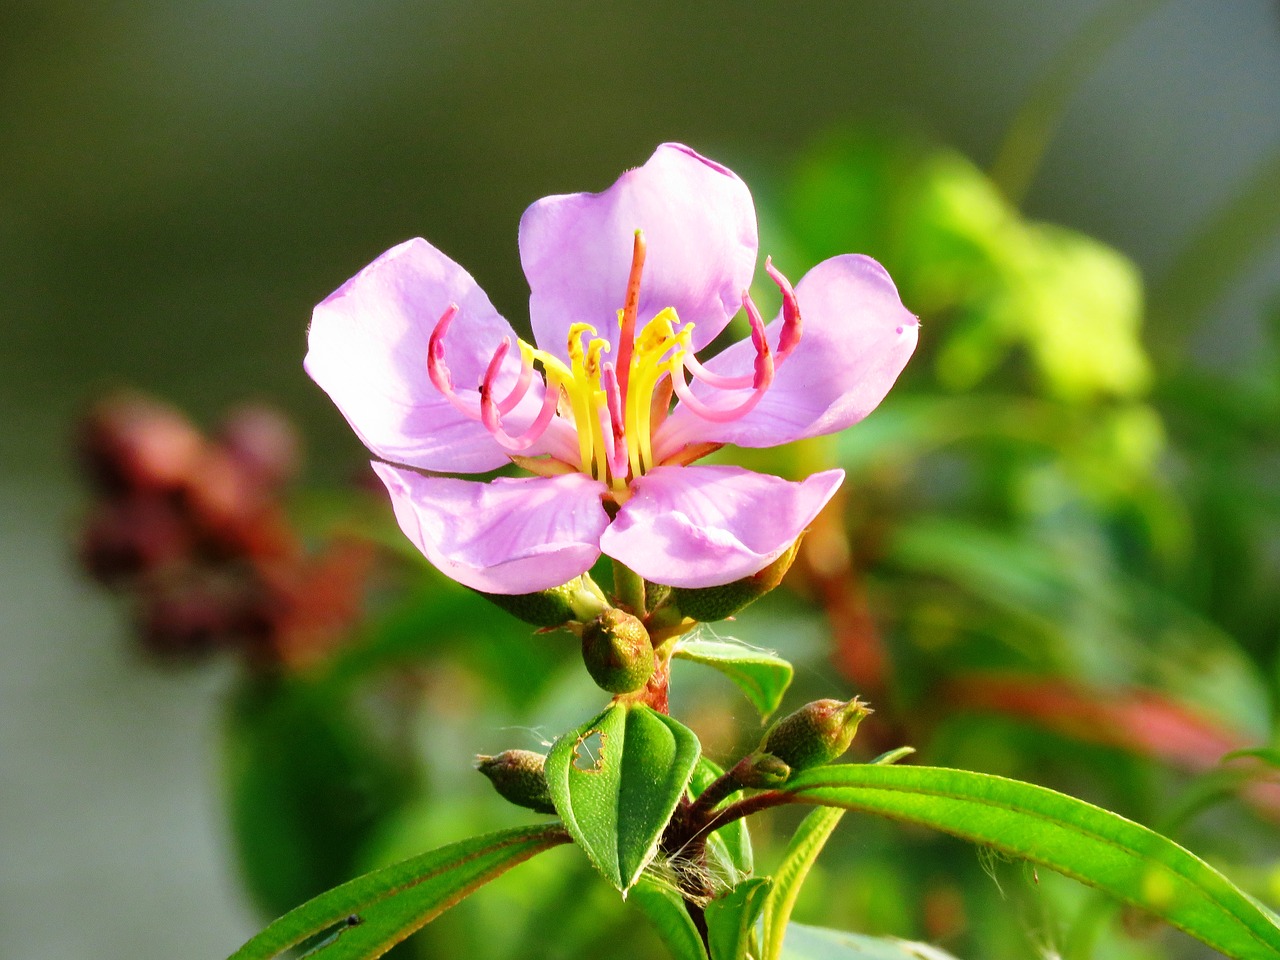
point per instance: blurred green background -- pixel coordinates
(180, 182)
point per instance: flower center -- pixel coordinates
(614, 408)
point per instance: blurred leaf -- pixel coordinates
(372, 913)
(615, 782)
(665, 908)
(730, 844)
(1075, 838)
(307, 786)
(761, 674)
(806, 843)
(818, 943)
(731, 919)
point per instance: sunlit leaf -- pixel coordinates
(367, 916)
(802, 851)
(731, 919)
(1075, 838)
(761, 674)
(615, 782)
(818, 943)
(665, 908)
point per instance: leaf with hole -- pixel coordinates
(367, 916)
(616, 780)
(760, 674)
(1123, 858)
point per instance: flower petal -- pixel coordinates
(857, 337)
(514, 535)
(709, 525)
(700, 227)
(367, 347)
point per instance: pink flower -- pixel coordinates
(626, 286)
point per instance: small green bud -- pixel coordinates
(761, 771)
(707, 604)
(517, 775)
(617, 651)
(817, 733)
(578, 600)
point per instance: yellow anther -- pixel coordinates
(594, 349)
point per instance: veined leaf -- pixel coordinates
(371, 914)
(731, 919)
(1087, 843)
(819, 943)
(760, 674)
(616, 780)
(802, 851)
(665, 908)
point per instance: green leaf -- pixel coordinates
(1077, 839)
(819, 943)
(730, 845)
(665, 908)
(616, 780)
(376, 911)
(731, 919)
(802, 851)
(761, 674)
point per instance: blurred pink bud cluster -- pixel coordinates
(192, 532)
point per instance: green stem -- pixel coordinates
(629, 587)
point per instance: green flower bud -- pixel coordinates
(617, 651)
(517, 775)
(817, 733)
(578, 600)
(761, 771)
(707, 604)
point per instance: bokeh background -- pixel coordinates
(181, 181)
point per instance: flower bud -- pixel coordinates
(761, 771)
(578, 600)
(707, 604)
(617, 651)
(817, 733)
(517, 775)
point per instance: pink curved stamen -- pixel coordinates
(442, 379)
(741, 382)
(439, 373)
(491, 411)
(759, 383)
(791, 324)
(615, 438)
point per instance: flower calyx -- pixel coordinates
(816, 734)
(518, 776)
(578, 601)
(617, 652)
(708, 604)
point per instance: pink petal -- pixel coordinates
(857, 337)
(700, 226)
(509, 536)
(367, 347)
(708, 525)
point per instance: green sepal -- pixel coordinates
(707, 604)
(760, 674)
(731, 919)
(578, 600)
(615, 782)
